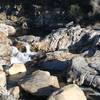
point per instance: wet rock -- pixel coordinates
(16, 68)
(69, 92)
(23, 46)
(2, 79)
(39, 83)
(26, 56)
(15, 91)
(19, 57)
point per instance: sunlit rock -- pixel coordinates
(69, 92)
(2, 79)
(17, 68)
(39, 83)
(7, 29)
(15, 91)
(5, 49)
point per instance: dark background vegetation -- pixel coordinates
(45, 15)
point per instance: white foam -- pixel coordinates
(19, 57)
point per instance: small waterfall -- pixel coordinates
(19, 57)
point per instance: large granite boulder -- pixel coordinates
(69, 92)
(4, 49)
(39, 83)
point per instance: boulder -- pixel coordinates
(59, 55)
(15, 91)
(69, 92)
(17, 68)
(7, 29)
(95, 6)
(2, 79)
(80, 70)
(40, 83)
(57, 60)
(4, 49)
(1, 68)
(5, 95)
(94, 61)
(85, 71)
(28, 38)
(71, 38)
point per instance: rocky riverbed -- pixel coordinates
(64, 65)
(50, 50)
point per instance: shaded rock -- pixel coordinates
(95, 66)
(96, 26)
(54, 65)
(70, 92)
(79, 62)
(82, 72)
(39, 83)
(16, 68)
(89, 52)
(94, 61)
(79, 70)
(91, 93)
(96, 6)
(57, 60)
(93, 80)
